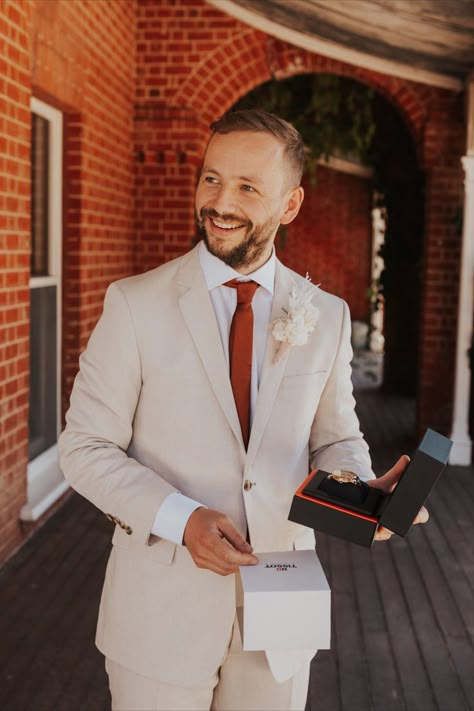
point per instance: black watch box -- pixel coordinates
(356, 512)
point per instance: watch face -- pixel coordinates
(344, 476)
(354, 496)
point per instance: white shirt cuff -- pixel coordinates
(172, 517)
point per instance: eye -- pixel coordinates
(211, 179)
(248, 189)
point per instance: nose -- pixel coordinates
(223, 200)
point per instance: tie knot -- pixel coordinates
(245, 290)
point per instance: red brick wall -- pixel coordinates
(15, 91)
(84, 62)
(80, 57)
(193, 62)
(331, 237)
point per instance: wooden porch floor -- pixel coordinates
(403, 621)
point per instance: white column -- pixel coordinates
(462, 447)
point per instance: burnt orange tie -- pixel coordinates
(240, 351)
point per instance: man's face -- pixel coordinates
(243, 195)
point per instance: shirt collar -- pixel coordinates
(216, 272)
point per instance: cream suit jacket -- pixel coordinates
(152, 412)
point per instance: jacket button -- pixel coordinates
(248, 485)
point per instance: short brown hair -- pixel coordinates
(264, 122)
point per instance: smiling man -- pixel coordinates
(240, 206)
(191, 435)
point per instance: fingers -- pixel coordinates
(215, 543)
(422, 516)
(218, 555)
(383, 534)
(389, 480)
(222, 558)
(232, 535)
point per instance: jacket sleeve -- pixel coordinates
(99, 425)
(336, 441)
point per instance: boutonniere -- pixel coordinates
(293, 326)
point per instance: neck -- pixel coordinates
(250, 268)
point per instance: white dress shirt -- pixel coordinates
(172, 517)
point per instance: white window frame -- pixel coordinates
(45, 481)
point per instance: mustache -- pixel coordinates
(225, 217)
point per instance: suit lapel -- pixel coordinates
(272, 372)
(198, 313)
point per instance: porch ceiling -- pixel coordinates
(434, 36)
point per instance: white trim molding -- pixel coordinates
(337, 51)
(344, 165)
(55, 118)
(46, 484)
(38, 282)
(461, 452)
(45, 481)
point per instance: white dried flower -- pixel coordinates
(293, 326)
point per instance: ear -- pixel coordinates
(294, 200)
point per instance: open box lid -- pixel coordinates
(416, 482)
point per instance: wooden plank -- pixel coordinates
(436, 657)
(384, 684)
(455, 578)
(96, 695)
(70, 646)
(323, 692)
(29, 607)
(43, 653)
(50, 612)
(446, 610)
(41, 551)
(458, 536)
(453, 489)
(412, 673)
(21, 582)
(348, 639)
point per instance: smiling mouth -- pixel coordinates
(229, 226)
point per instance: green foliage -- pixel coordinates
(334, 114)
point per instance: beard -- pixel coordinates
(249, 250)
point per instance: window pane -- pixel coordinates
(43, 410)
(39, 195)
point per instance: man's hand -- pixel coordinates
(214, 542)
(387, 484)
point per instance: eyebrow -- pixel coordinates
(248, 179)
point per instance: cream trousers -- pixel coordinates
(244, 682)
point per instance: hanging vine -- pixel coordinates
(334, 114)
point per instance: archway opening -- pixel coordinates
(360, 229)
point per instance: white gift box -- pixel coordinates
(284, 603)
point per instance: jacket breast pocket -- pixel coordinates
(159, 550)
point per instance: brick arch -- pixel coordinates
(224, 76)
(250, 58)
(409, 98)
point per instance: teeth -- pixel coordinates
(224, 225)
